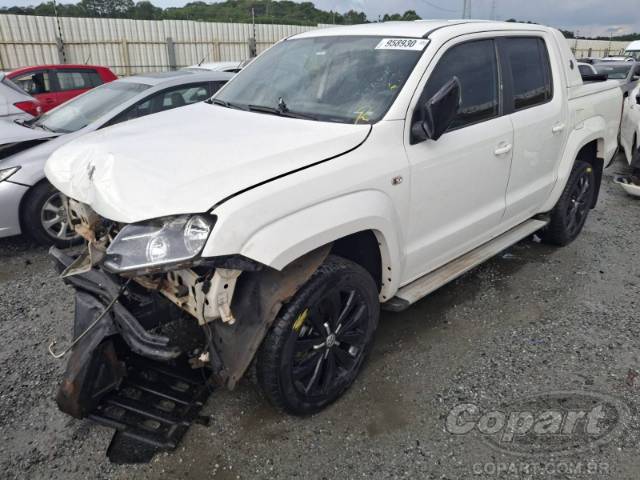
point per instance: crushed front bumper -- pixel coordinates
(93, 368)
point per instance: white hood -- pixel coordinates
(188, 159)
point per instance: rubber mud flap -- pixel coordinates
(93, 368)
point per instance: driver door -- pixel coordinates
(459, 182)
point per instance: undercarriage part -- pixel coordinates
(153, 408)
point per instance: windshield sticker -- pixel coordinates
(362, 116)
(401, 44)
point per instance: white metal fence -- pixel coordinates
(596, 48)
(134, 46)
(129, 46)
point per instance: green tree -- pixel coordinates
(107, 8)
(146, 11)
(411, 15)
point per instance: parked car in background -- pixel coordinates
(55, 84)
(231, 67)
(29, 203)
(343, 168)
(15, 103)
(623, 71)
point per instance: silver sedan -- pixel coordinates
(28, 203)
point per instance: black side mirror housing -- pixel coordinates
(438, 113)
(638, 99)
(636, 73)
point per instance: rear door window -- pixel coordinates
(165, 100)
(528, 75)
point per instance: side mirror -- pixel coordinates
(636, 73)
(638, 99)
(438, 113)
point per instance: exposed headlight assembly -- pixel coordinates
(158, 243)
(7, 172)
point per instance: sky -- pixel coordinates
(588, 17)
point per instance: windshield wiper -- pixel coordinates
(224, 103)
(23, 123)
(282, 112)
(44, 127)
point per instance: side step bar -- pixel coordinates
(423, 286)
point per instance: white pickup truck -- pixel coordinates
(342, 170)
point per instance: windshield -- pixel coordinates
(84, 109)
(615, 72)
(340, 79)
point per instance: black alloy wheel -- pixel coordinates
(570, 213)
(320, 340)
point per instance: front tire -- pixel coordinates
(320, 339)
(44, 218)
(570, 213)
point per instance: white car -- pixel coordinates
(342, 170)
(15, 104)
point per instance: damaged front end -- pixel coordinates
(157, 326)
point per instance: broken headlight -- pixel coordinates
(157, 243)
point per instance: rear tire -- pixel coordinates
(570, 213)
(320, 339)
(44, 219)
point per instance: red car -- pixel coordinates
(55, 84)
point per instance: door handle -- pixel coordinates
(557, 128)
(503, 149)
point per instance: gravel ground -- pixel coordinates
(535, 319)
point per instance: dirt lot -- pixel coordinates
(535, 319)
